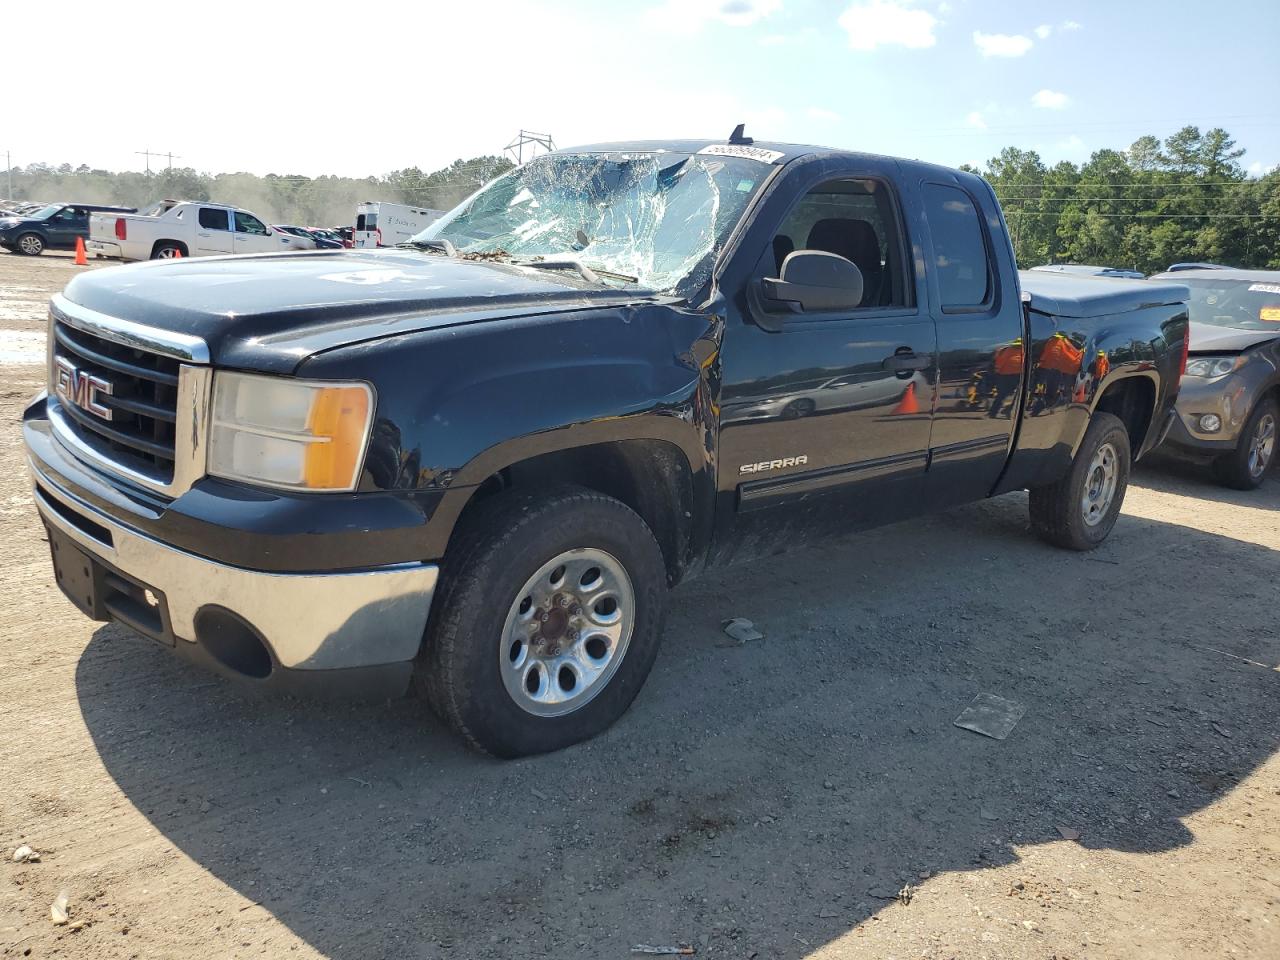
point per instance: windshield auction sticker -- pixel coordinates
(745, 152)
(1265, 287)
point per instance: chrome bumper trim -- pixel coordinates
(311, 621)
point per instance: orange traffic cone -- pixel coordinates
(177, 253)
(81, 259)
(908, 404)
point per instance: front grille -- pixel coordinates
(143, 401)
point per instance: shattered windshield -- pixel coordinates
(658, 217)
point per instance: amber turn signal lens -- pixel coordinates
(339, 416)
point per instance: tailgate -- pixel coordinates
(102, 226)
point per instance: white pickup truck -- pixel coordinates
(186, 228)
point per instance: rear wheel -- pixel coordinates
(547, 621)
(1246, 467)
(31, 244)
(1079, 510)
(167, 250)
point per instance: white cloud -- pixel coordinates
(1069, 25)
(976, 120)
(1043, 31)
(882, 23)
(689, 16)
(1001, 44)
(821, 113)
(1050, 100)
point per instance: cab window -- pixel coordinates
(960, 259)
(857, 219)
(213, 219)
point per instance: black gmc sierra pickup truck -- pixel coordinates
(476, 463)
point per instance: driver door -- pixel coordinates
(253, 236)
(825, 423)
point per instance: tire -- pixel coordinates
(496, 621)
(1078, 512)
(166, 249)
(1246, 467)
(30, 244)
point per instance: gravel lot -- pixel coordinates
(763, 801)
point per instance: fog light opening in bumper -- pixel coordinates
(233, 643)
(1209, 423)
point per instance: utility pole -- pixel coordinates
(149, 153)
(527, 138)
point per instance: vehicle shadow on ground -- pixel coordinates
(1169, 474)
(762, 798)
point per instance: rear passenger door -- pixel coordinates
(213, 231)
(974, 301)
(825, 421)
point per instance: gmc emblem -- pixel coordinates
(81, 389)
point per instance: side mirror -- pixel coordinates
(812, 281)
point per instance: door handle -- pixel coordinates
(905, 359)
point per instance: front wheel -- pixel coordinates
(1246, 467)
(547, 622)
(1079, 510)
(31, 244)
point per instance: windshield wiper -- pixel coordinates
(435, 246)
(588, 272)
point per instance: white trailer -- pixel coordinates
(382, 224)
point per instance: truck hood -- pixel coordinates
(1210, 338)
(270, 312)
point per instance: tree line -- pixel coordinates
(1186, 198)
(1155, 203)
(279, 198)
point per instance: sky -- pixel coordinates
(356, 89)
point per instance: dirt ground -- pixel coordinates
(771, 800)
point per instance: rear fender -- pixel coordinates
(1144, 343)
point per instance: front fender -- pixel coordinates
(457, 405)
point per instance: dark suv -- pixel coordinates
(54, 227)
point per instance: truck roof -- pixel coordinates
(788, 151)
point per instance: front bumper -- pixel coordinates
(357, 629)
(1230, 398)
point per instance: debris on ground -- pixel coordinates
(1068, 833)
(740, 630)
(24, 854)
(991, 716)
(680, 950)
(58, 912)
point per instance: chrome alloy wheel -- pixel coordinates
(31, 245)
(1099, 486)
(1262, 445)
(567, 632)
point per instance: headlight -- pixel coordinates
(1210, 367)
(299, 434)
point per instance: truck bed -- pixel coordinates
(1064, 295)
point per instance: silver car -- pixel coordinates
(1229, 404)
